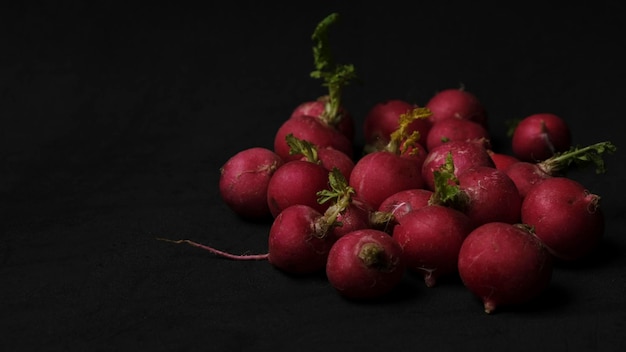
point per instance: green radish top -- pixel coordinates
(301, 146)
(340, 193)
(401, 140)
(579, 157)
(447, 190)
(335, 76)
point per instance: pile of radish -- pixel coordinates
(426, 194)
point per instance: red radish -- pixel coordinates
(296, 182)
(431, 238)
(397, 205)
(527, 174)
(312, 129)
(379, 174)
(346, 213)
(329, 158)
(365, 264)
(539, 136)
(321, 129)
(244, 179)
(382, 120)
(457, 103)
(485, 194)
(466, 154)
(504, 264)
(565, 216)
(343, 122)
(456, 129)
(502, 160)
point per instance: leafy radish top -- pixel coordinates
(335, 76)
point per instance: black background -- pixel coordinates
(115, 119)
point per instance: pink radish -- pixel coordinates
(244, 179)
(397, 205)
(431, 238)
(381, 173)
(457, 103)
(539, 136)
(504, 264)
(466, 154)
(501, 160)
(365, 264)
(565, 216)
(343, 121)
(527, 174)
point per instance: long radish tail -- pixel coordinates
(218, 252)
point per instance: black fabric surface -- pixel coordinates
(115, 120)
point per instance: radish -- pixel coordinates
(527, 174)
(381, 173)
(504, 264)
(321, 129)
(457, 103)
(501, 160)
(565, 216)
(431, 238)
(244, 179)
(328, 157)
(343, 122)
(539, 136)
(382, 120)
(397, 205)
(485, 194)
(466, 154)
(300, 236)
(455, 129)
(365, 264)
(296, 182)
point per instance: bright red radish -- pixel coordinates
(466, 154)
(244, 179)
(565, 216)
(527, 174)
(457, 103)
(539, 136)
(365, 264)
(456, 129)
(382, 120)
(431, 238)
(320, 108)
(504, 264)
(379, 174)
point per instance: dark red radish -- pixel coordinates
(397, 205)
(431, 238)
(296, 182)
(565, 216)
(527, 174)
(466, 154)
(457, 103)
(343, 121)
(485, 194)
(329, 158)
(456, 129)
(539, 136)
(381, 173)
(365, 264)
(501, 160)
(244, 179)
(504, 265)
(313, 130)
(298, 242)
(383, 119)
